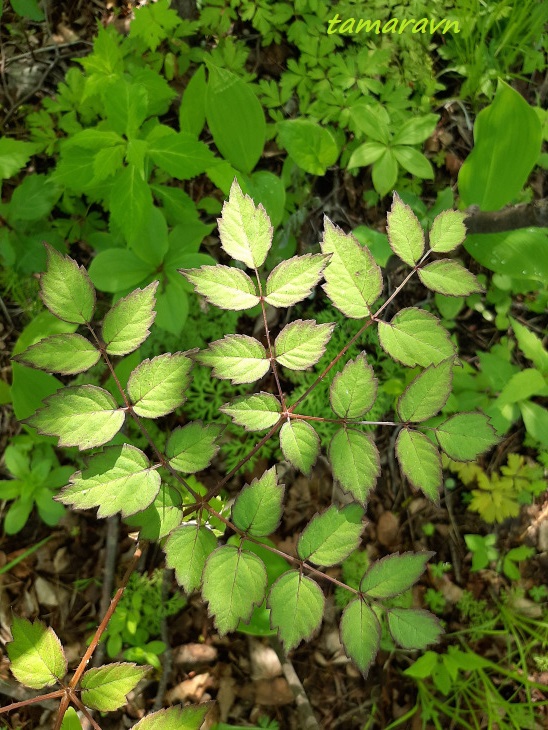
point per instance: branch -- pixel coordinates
(507, 219)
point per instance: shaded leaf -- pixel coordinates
(187, 549)
(355, 462)
(420, 462)
(296, 605)
(354, 389)
(300, 444)
(360, 634)
(465, 436)
(415, 337)
(192, 447)
(394, 574)
(175, 718)
(427, 393)
(258, 507)
(413, 628)
(332, 535)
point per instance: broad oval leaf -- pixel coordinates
(258, 507)
(66, 288)
(355, 462)
(448, 231)
(192, 447)
(157, 387)
(448, 277)
(296, 605)
(119, 479)
(36, 655)
(413, 628)
(239, 358)
(394, 574)
(415, 337)
(126, 325)
(427, 393)
(420, 462)
(293, 280)
(180, 154)
(254, 412)
(187, 549)
(313, 147)
(105, 688)
(405, 234)
(354, 389)
(224, 286)
(300, 444)
(360, 634)
(244, 228)
(67, 354)
(332, 535)
(175, 718)
(302, 343)
(465, 436)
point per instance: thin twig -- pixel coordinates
(111, 552)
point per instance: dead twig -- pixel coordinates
(307, 720)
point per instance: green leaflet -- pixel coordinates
(427, 393)
(244, 228)
(332, 535)
(415, 337)
(531, 346)
(175, 718)
(405, 234)
(105, 688)
(394, 574)
(66, 288)
(465, 436)
(119, 479)
(130, 201)
(353, 279)
(224, 286)
(67, 354)
(420, 462)
(413, 628)
(126, 325)
(312, 146)
(293, 280)
(354, 389)
(36, 655)
(448, 277)
(355, 462)
(448, 231)
(180, 154)
(254, 412)
(192, 447)
(302, 343)
(81, 415)
(156, 387)
(71, 720)
(238, 358)
(160, 517)
(258, 508)
(187, 549)
(300, 444)
(296, 605)
(234, 581)
(360, 634)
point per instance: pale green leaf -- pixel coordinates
(238, 358)
(66, 288)
(448, 277)
(420, 462)
(67, 354)
(353, 279)
(119, 479)
(354, 389)
(522, 386)
(300, 444)
(531, 346)
(105, 688)
(296, 605)
(175, 718)
(293, 280)
(71, 720)
(394, 574)
(332, 535)
(36, 655)
(82, 415)
(187, 549)
(191, 448)
(161, 517)
(302, 343)
(355, 462)
(415, 337)
(224, 286)
(448, 231)
(360, 634)
(254, 412)
(427, 393)
(126, 325)
(465, 436)
(413, 628)
(258, 507)
(157, 387)
(405, 233)
(234, 581)
(244, 228)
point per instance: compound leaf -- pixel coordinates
(258, 507)
(157, 387)
(126, 325)
(448, 231)
(36, 655)
(355, 462)
(293, 280)
(244, 228)
(302, 343)
(415, 337)
(360, 634)
(238, 358)
(64, 353)
(465, 436)
(254, 412)
(105, 688)
(119, 479)
(175, 718)
(405, 234)
(354, 389)
(187, 549)
(300, 444)
(192, 447)
(82, 415)
(420, 462)
(296, 605)
(394, 574)
(224, 286)
(234, 581)
(427, 393)
(353, 279)
(332, 535)
(413, 628)
(66, 288)
(448, 277)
